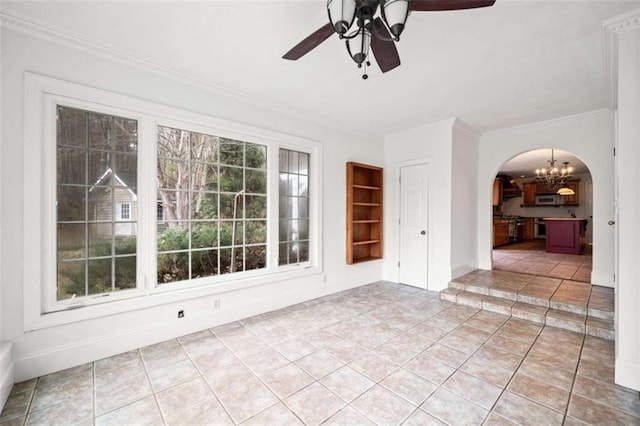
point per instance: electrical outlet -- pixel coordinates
(181, 314)
(216, 303)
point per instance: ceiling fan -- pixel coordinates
(380, 33)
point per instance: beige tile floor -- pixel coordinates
(382, 354)
(530, 257)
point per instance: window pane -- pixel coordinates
(175, 237)
(71, 203)
(256, 231)
(173, 267)
(126, 131)
(71, 279)
(226, 233)
(231, 206)
(303, 163)
(231, 179)
(100, 276)
(303, 207)
(204, 263)
(204, 148)
(293, 162)
(100, 239)
(100, 203)
(255, 257)
(126, 245)
(256, 207)
(72, 127)
(303, 227)
(173, 174)
(125, 272)
(256, 156)
(283, 252)
(256, 181)
(173, 143)
(71, 166)
(303, 186)
(205, 177)
(283, 156)
(231, 152)
(205, 205)
(204, 234)
(304, 251)
(71, 241)
(99, 168)
(293, 185)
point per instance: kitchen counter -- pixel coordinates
(565, 235)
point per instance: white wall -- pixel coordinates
(628, 178)
(590, 137)
(431, 143)
(59, 347)
(464, 200)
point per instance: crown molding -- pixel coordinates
(611, 29)
(554, 122)
(28, 25)
(465, 128)
(623, 23)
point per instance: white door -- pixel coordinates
(414, 221)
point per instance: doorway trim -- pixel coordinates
(397, 202)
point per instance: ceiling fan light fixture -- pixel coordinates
(358, 46)
(394, 14)
(341, 14)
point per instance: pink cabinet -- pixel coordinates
(565, 235)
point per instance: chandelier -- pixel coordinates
(343, 13)
(556, 178)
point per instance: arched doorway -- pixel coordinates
(535, 229)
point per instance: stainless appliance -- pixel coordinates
(516, 227)
(547, 200)
(540, 228)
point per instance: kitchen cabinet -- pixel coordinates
(529, 228)
(565, 235)
(530, 190)
(529, 194)
(500, 231)
(364, 213)
(497, 192)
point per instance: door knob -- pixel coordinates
(612, 222)
(423, 232)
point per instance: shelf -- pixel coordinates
(361, 243)
(366, 259)
(364, 213)
(366, 187)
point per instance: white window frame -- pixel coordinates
(42, 95)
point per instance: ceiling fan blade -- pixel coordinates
(309, 43)
(434, 5)
(384, 51)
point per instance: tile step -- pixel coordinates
(513, 295)
(574, 321)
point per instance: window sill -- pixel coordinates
(159, 298)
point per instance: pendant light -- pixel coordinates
(394, 14)
(341, 14)
(358, 46)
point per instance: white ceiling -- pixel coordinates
(514, 63)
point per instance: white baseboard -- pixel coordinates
(60, 358)
(6, 372)
(628, 374)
